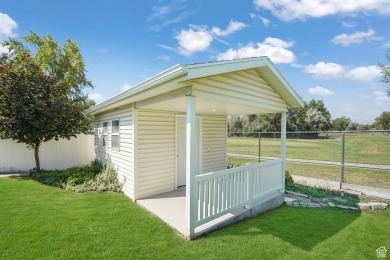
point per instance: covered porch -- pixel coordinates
(220, 204)
(214, 199)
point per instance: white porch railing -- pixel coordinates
(222, 192)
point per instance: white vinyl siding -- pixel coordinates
(156, 153)
(214, 143)
(243, 87)
(122, 158)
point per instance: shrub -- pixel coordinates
(90, 177)
(232, 164)
(53, 178)
(288, 178)
(71, 176)
(107, 180)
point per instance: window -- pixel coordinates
(115, 141)
(105, 132)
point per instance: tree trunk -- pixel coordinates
(36, 154)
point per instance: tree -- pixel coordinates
(65, 63)
(315, 116)
(383, 121)
(235, 124)
(36, 107)
(358, 127)
(341, 123)
(316, 121)
(385, 71)
(294, 119)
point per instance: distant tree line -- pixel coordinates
(314, 116)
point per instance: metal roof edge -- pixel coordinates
(199, 70)
(285, 83)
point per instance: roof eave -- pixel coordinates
(169, 74)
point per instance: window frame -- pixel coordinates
(116, 134)
(105, 133)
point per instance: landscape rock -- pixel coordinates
(342, 207)
(340, 199)
(297, 194)
(288, 199)
(372, 206)
(363, 206)
(331, 204)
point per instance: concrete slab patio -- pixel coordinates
(170, 208)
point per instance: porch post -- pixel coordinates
(283, 145)
(190, 166)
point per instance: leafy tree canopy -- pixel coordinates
(385, 71)
(314, 116)
(35, 107)
(65, 63)
(383, 121)
(341, 123)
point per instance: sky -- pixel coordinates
(326, 49)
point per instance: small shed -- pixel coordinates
(171, 131)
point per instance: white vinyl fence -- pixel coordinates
(59, 154)
(221, 192)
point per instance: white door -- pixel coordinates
(181, 129)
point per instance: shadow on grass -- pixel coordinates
(301, 227)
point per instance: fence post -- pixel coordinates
(342, 159)
(249, 186)
(259, 145)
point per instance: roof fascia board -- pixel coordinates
(285, 84)
(210, 69)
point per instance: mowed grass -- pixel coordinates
(373, 148)
(41, 222)
(365, 177)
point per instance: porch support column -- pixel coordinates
(190, 167)
(283, 146)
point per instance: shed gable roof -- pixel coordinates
(173, 78)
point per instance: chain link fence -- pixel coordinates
(355, 157)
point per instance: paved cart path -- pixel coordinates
(335, 185)
(356, 165)
(14, 174)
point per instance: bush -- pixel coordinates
(91, 177)
(53, 178)
(288, 178)
(232, 164)
(107, 180)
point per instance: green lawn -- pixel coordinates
(365, 177)
(41, 222)
(359, 148)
